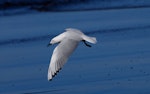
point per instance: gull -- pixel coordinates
(67, 43)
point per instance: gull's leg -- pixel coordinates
(86, 43)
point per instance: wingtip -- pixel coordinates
(49, 79)
(52, 76)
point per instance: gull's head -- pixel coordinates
(52, 42)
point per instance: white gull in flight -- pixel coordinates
(67, 43)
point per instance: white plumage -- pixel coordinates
(68, 41)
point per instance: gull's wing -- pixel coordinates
(60, 55)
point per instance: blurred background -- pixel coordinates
(9, 7)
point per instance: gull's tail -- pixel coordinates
(89, 39)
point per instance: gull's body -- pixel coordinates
(68, 41)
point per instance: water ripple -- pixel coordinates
(46, 37)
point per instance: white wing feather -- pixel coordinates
(60, 55)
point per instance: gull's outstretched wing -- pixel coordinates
(60, 55)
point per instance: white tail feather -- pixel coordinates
(89, 39)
